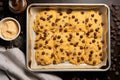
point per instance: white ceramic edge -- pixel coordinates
(19, 28)
(109, 58)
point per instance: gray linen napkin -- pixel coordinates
(12, 61)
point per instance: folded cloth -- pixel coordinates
(3, 76)
(12, 61)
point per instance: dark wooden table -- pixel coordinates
(112, 74)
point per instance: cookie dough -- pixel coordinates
(94, 24)
(44, 57)
(66, 35)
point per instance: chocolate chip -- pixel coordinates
(78, 59)
(61, 41)
(100, 54)
(77, 33)
(116, 7)
(101, 59)
(90, 25)
(72, 57)
(51, 16)
(82, 21)
(62, 58)
(55, 45)
(91, 52)
(43, 38)
(64, 16)
(53, 24)
(43, 53)
(95, 35)
(46, 42)
(69, 11)
(117, 73)
(92, 15)
(42, 18)
(100, 13)
(102, 42)
(94, 62)
(87, 33)
(91, 30)
(54, 62)
(81, 47)
(86, 47)
(69, 39)
(61, 50)
(86, 20)
(36, 40)
(82, 58)
(79, 53)
(61, 14)
(60, 29)
(67, 53)
(90, 58)
(75, 45)
(40, 45)
(41, 27)
(60, 26)
(70, 36)
(82, 12)
(49, 47)
(93, 41)
(65, 30)
(90, 55)
(56, 51)
(54, 38)
(45, 13)
(97, 29)
(59, 37)
(95, 20)
(37, 32)
(57, 20)
(45, 35)
(102, 24)
(52, 55)
(69, 17)
(66, 24)
(83, 41)
(117, 23)
(74, 54)
(70, 24)
(76, 20)
(71, 43)
(73, 16)
(35, 47)
(81, 36)
(99, 48)
(80, 29)
(40, 37)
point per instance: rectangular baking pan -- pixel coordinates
(33, 9)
